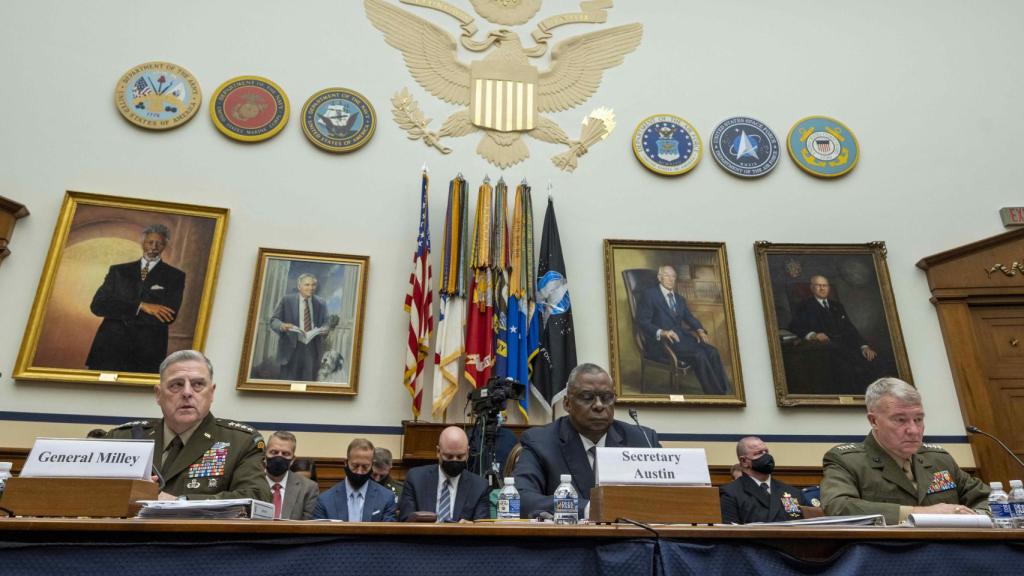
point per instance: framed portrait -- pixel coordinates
(126, 282)
(305, 323)
(832, 322)
(671, 326)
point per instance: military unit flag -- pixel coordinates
(480, 313)
(451, 326)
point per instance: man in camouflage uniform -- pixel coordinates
(893, 472)
(198, 456)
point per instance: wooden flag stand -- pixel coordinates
(91, 497)
(658, 504)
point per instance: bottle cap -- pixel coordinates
(510, 481)
(995, 485)
(5, 466)
(566, 478)
(1016, 484)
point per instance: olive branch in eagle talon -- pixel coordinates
(503, 94)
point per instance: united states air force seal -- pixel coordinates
(249, 108)
(158, 95)
(745, 147)
(338, 120)
(667, 144)
(823, 146)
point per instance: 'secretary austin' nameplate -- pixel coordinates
(665, 466)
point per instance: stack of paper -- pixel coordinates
(208, 509)
(949, 521)
(866, 520)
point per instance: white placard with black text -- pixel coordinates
(89, 458)
(664, 466)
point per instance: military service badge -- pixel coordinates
(249, 108)
(745, 147)
(338, 120)
(158, 95)
(823, 146)
(667, 144)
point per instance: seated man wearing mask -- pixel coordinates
(381, 471)
(293, 495)
(756, 496)
(569, 445)
(447, 488)
(356, 499)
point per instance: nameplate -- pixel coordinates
(88, 458)
(664, 466)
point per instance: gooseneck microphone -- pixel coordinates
(632, 414)
(976, 430)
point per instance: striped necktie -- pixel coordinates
(145, 269)
(307, 319)
(444, 508)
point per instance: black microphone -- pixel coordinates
(632, 414)
(976, 430)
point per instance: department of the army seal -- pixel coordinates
(249, 108)
(667, 144)
(823, 146)
(158, 95)
(745, 147)
(338, 120)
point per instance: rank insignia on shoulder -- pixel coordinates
(935, 447)
(236, 425)
(133, 423)
(847, 447)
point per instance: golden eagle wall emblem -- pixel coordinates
(503, 94)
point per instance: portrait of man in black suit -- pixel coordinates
(663, 315)
(138, 300)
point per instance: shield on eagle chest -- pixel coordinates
(504, 96)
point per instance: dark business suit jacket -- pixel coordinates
(129, 340)
(555, 449)
(811, 316)
(287, 311)
(300, 494)
(653, 314)
(472, 501)
(378, 506)
(743, 501)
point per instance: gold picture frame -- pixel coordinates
(831, 321)
(685, 352)
(88, 322)
(274, 356)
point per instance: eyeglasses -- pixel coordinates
(588, 398)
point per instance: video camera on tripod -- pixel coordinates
(487, 403)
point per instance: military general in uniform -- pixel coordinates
(893, 473)
(198, 456)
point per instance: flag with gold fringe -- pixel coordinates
(451, 325)
(521, 295)
(480, 309)
(418, 303)
(500, 265)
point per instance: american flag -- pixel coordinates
(418, 303)
(141, 88)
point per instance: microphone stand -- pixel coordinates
(976, 430)
(633, 415)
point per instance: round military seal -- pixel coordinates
(667, 144)
(745, 147)
(158, 95)
(249, 108)
(338, 120)
(823, 146)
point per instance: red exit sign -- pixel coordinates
(1012, 216)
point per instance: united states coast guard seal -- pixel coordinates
(745, 147)
(158, 95)
(667, 144)
(338, 120)
(249, 108)
(823, 146)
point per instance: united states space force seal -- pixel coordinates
(249, 108)
(745, 147)
(338, 120)
(158, 95)
(667, 144)
(823, 146)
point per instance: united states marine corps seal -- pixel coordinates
(338, 120)
(158, 95)
(249, 108)
(823, 146)
(667, 145)
(745, 147)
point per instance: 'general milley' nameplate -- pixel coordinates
(81, 458)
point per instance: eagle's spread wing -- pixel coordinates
(578, 63)
(429, 51)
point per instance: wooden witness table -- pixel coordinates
(87, 546)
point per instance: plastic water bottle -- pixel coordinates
(508, 501)
(1017, 503)
(567, 502)
(999, 503)
(5, 473)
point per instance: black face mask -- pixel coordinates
(278, 465)
(356, 480)
(453, 468)
(763, 464)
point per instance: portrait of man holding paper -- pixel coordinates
(305, 319)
